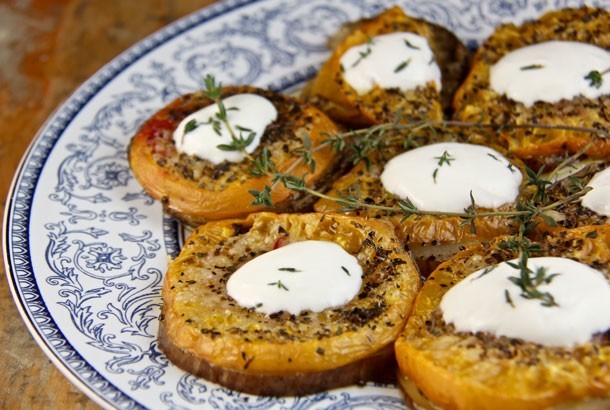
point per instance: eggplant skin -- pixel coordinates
(475, 101)
(380, 368)
(464, 370)
(205, 332)
(196, 191)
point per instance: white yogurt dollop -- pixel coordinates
(490, 302)
(598, 199)
(246, 113)
(440, 177)
(397, 60)
(550, 71)
(308, 275)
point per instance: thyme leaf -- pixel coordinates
(238, 143)
(537, 180)
(350, 201)
(592, 234)
(262, 198)
(336, 143)
(486, 271)
(306, 153)
(532, 67)
(190, 126)
(434, 174)
(529, 281)
(596, 78)
(279, 285)
(509, 300)
(362, 55)
(410, 45)
(292, 182)
(402, 65)
(213, 91)
(408, 208)
(446, 158)
(263, 166)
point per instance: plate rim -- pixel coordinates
(56, 123)
(69, 108)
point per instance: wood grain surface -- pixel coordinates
(48, 48)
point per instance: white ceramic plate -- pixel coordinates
(86, 249)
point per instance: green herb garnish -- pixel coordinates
(410, 45)
(596, 78)
(402, 65)
(446, 158)
(246, 136)
(362, 55)
(529, 281)
(190, 126)
(279, 285)
(532, 67)
(509, 300)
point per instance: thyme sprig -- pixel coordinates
(351, 202)
(213, 91)
(530, 281)
(239, 142)
(365, 142)
(375, 139)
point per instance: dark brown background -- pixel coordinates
(47, 48)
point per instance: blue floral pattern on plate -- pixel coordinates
(86, 248)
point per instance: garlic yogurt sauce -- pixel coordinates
(488, 301)
(397, 60)
(308, 275)
(441, 177)
(201, 132)
(598, 199)
(551, 71)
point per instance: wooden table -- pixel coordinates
(47, 48)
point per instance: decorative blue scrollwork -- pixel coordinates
(100, 243)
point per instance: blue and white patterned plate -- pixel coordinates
(86, 248)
